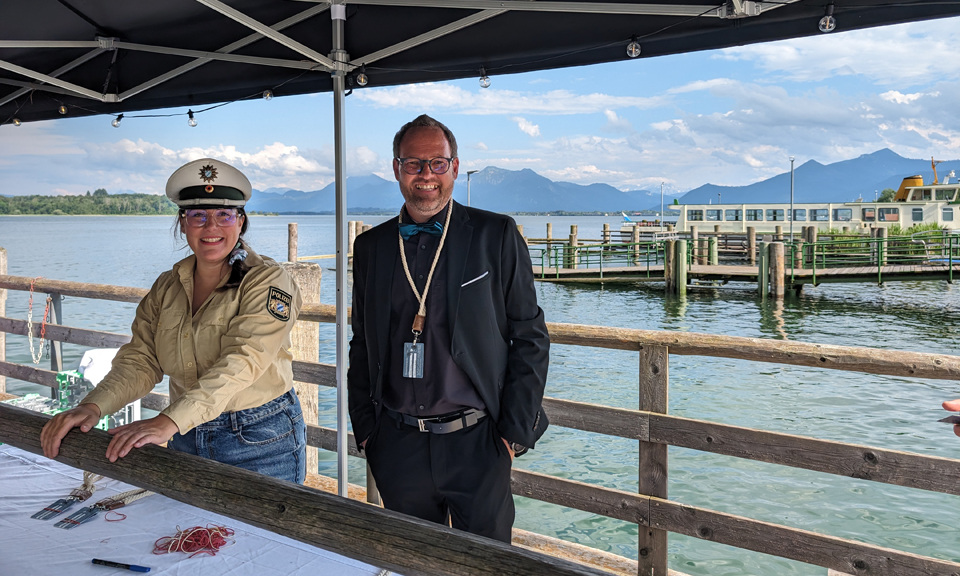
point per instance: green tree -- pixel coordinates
(100, 192)
(887, 195)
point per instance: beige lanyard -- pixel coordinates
(420, 319)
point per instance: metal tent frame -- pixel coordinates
(87, 57)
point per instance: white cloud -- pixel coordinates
(453, 99)
(527, 127)
(616, 123)
(901, 55)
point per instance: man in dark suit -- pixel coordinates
(449, 353)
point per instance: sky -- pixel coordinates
(729, 117)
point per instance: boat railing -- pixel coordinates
(655, 430)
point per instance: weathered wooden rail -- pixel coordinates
(655, 431)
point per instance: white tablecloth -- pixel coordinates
(29, 482)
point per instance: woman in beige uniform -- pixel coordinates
(218, 324)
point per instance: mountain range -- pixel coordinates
(514, 191)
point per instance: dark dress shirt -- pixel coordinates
(444, 388)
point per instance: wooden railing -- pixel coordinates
(655, 431)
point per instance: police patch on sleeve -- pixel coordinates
(279, 303)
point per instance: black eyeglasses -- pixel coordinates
(414, 166)
(197, 217)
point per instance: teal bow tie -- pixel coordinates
(408, 231)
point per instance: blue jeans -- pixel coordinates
(270, 439)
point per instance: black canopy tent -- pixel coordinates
(116, 56)
(85, 57)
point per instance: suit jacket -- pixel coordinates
(499, 336)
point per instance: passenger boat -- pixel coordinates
(914, 203)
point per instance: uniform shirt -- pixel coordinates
(232, 355)
(445, 387)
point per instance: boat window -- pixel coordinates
(800, 215)
(734, 215)
(843, 214)
(819, 215)
(889, 214)
(922, 194)
(754, 215)
(774, 214)
(947, 215)
(918, 214)
(869, 214)
(946, 194)
(714, 215)
(695, 215)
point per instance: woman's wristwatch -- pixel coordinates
(518, 449)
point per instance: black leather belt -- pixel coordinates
(440, 424)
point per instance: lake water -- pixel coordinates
(884, 411)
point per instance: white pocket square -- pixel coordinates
(480, 277)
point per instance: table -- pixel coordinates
(29, 482)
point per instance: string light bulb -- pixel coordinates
(484, 79)
(62, 109)
(116, 121)
(633, 48)
(362, 79)
(17, 122)
(828, 23)
(191, 121)
(268, 94)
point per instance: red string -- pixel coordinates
(195, 540)
(121, 516)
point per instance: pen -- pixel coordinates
(133, 567)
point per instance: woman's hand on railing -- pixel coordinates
(156, 430)
(953, 406)
(84, 416)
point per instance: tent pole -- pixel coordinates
(338, 16)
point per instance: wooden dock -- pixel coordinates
(750, 274)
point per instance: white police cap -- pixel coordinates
(208, 182)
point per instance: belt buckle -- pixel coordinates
(422, 424)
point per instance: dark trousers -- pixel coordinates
(465, 474)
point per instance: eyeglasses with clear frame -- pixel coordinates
(198, 217)
(414, 166)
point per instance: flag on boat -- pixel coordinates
(626, 218)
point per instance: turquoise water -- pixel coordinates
(885, 411)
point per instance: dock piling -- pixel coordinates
(777, 271)
(680, 264)
(292, 242)
(751, 245)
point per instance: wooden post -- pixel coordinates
(606, 233)
(798, 251)
(549, 258)
(680, 263)
(716, 228)
(668, 266)
(351, 236)
(3, 312)
(778, 235)
(654, 392)
(305, 341)
(752, 245)
(56, 347)
(777, 271)
(704, 251)
(670, 227)
(763, 270)
(292, 242)
(635, 238)
(882, 246)
(714, 252)
(570, 258)
(694, 244)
